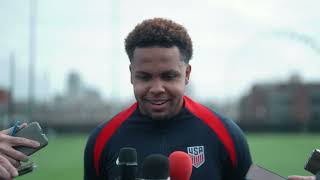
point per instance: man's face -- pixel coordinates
(159, 78)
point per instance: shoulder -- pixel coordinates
(100, 136)
(106, 129)
(226, 130)
(213, 119)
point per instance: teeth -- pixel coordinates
(158, 102)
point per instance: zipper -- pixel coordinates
(163, 144)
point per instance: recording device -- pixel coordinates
(26, 168)
(313, 163)
(127, 162)
(155, 167)
(256, 172)
(33, 132)
(180, 164)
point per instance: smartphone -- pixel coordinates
(33, 132)
(26, 168)
(256, 172)
(313, 164)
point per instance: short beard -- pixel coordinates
(159, 118)
(172, 112)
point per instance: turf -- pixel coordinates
(285, 154)
(61, 159)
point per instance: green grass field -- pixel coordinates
(284, 154)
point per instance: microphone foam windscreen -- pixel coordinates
(180, 165)
(127, 156)
(155, 166)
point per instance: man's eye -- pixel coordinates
(143, 77)
(169, 77)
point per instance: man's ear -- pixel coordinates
(188, 71)
(130, 68)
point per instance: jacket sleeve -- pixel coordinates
(244, 160)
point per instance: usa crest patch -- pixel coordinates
(197, 155)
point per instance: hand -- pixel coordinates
(7, 143)
(301, 178)
(7, 171)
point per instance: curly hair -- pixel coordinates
(159, 32)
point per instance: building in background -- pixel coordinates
(77, 93)
(74, 85)
(286, 106)
(293, 105)
(4, 103)
(79, 108)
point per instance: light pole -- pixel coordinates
(11, 105)
(32, 57)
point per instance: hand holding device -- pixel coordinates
(7, 170)
(256, 172)
(8, 142)
(22, 141)
(313, 163)
(32, 132)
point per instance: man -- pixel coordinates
(9, 157)
(163, 119)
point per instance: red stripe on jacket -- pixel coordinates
(215, 124)
(106, 133)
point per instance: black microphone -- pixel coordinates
(155, 167)
(313, 164)
(127, 162)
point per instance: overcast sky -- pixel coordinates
(236, 43)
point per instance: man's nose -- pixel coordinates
(157, 87)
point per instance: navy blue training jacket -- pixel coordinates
(217, 146)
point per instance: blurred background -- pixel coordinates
(63, 64)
